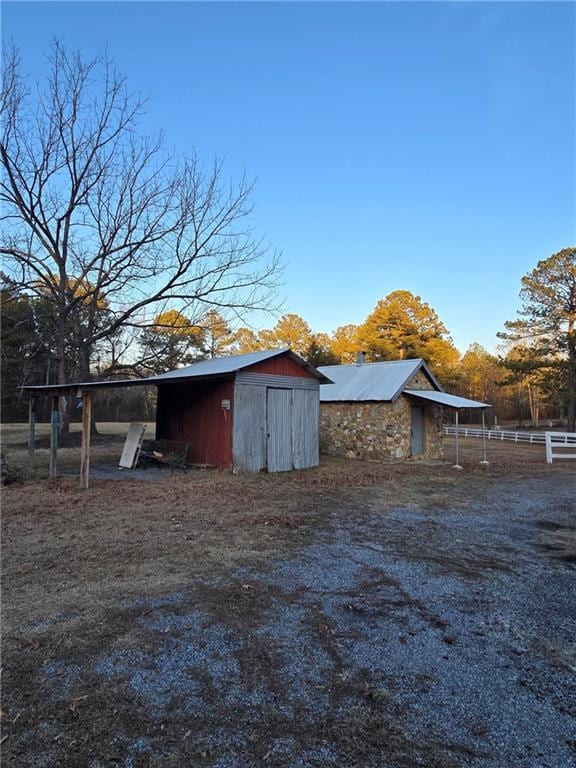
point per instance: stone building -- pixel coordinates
(389, 410)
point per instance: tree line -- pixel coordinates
(527, 382)
(123, 259)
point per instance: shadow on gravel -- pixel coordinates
(342, 655)
(383, 638)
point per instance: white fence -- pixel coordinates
(552, 440)
(563, 441)
(499, 434)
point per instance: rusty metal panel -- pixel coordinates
(249, 430)
(305, 428)
(279, 425)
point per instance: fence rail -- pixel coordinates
(498, 434)
(562, 441)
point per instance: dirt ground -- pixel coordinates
(358, 614)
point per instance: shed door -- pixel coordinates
(279, 429)
(417, 442)
(305, 425)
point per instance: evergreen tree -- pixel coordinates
(292, 331)
(25, 350)
(318, 351)
(218, 337)
(344, 343)
(402, 326)
(171, 342)
(547, 324)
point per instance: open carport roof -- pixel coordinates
(75, 386)
(443, 398)
(203, 369)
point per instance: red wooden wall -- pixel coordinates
(193, 412)
(280, 366)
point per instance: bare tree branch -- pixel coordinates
(104, 223)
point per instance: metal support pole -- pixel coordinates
(85, 449)
(484, 462)
(54, 428)
(457, 464)
(32, 430)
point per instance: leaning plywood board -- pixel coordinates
(132, 446)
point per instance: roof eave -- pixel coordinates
(358, 400)
(428, 396)
(75, 386)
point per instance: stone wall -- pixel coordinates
(379, 430)
(419, 381)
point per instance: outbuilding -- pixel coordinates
(252, 412)
(387, 410)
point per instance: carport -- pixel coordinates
(83, 391)
(457, 404)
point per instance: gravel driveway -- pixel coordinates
(408, 635)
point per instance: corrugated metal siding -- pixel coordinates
(281, 365)
(279, 425)
(193, 412)
(270, 380)
(249, 432)
(289, 416)
(305, 428)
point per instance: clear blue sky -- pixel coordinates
(423, 146)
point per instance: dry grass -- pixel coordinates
(133, 535)
(89, 554)
(107, 447)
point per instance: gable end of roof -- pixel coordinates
(423, 366)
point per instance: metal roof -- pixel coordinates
(219, 366)
(371, 381)
(443, 398)
(74, 386)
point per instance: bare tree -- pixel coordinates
(105, 223)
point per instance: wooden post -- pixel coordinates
(54, 427)
(85, 449)
(32, 430)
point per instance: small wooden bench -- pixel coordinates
(170, 452)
